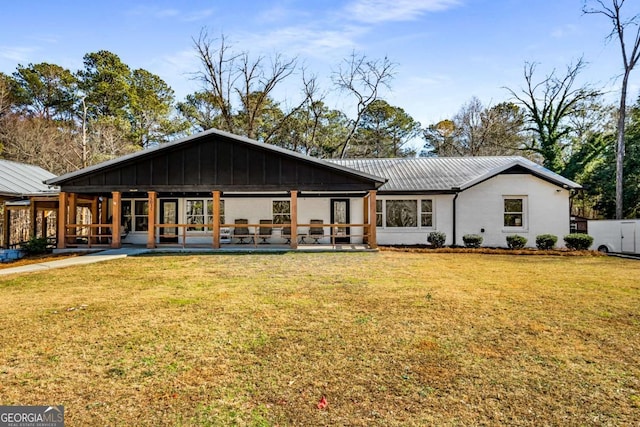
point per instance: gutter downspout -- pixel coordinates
(457, 193)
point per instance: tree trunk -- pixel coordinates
(620, 146)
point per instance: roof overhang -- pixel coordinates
(531, 167)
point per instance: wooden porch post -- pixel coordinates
(33, 220)
(115, 220)
(5, 226)
(151, 231)
(94, 218)
(372, 220)
(43, 221)
(104, 212)
(365, 217)
(72, 215)
(294, 219)
(63, 201)
(216, 219)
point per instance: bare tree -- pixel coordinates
(227, 74)
(477, 130)
(548, 104)
(629, 60)
(363, 79)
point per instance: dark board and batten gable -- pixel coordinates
(216, 160)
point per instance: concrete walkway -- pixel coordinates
(68, 262)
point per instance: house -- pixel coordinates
(24, 196)
(214, 187)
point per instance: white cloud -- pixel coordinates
(375, 11)
(564, 31)
(165, 13)
(16, 53)
(197, 15)
(308, 40)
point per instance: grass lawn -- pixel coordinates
(388, 338)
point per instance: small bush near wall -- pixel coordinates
(472, 240)
(546, 242)
(437, 239)
(578, 241)
(516, 242)
(35, 246)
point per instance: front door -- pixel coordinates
(169, 215)
(340, 215)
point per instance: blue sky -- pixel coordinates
(446, 51)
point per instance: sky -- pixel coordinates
(445, 51)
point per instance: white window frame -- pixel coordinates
(207, 214)
(285, 216)
(525, 217)
(188, 218)
(383, 213)
(129, 216)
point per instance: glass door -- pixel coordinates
(169, 215)
(340, 215)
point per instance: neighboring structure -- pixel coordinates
(214, 187)
(616, 235)
(27, 203)
(491, 196)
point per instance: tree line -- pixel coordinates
(64, 120)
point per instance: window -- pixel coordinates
(514, 211)
(141, 215)
(125, 215)
(402, 213)
(281, 211)
(405, 213)
(426, 213)
(210, 211)
(199, 213)
(195, 215)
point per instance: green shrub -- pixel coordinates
(35, 246)
(516, 242)
(578, 241)
(437, 239)
(545, 242)
(472, 240)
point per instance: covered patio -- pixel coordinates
(217, 190)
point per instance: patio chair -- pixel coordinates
(241, 233)
(316, 233)
(264, 233)
(286, 231)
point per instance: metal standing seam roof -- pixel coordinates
(19, 179)
(446, 173)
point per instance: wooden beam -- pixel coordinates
(365, 218)
(151, 231)
(33, 220)
(73, 209)
(115, 219)
(63, 205)
(5, 226)
(372, 220)
(104, 210)
(216, 219)
(294, 219)
(43, 221)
